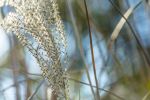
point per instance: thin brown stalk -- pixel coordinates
(79, 43)
(92, 51)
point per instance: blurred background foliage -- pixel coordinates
(123, 71)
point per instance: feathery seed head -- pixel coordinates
(38, 26)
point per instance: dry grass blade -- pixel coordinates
(120, 24)
(136, 35)
(146, 96)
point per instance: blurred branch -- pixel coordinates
(19, 82)
(14, 64)
(32, 74)
(12, 85)
(25, 69)
(77, 81)
(34, 93)
(2, 92)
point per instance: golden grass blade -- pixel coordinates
(121, 23)
(146, 96)
(119, 26)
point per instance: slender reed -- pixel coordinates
(92, 51)
(78, 39)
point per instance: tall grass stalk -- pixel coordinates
(78, 39)
(92, 51)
